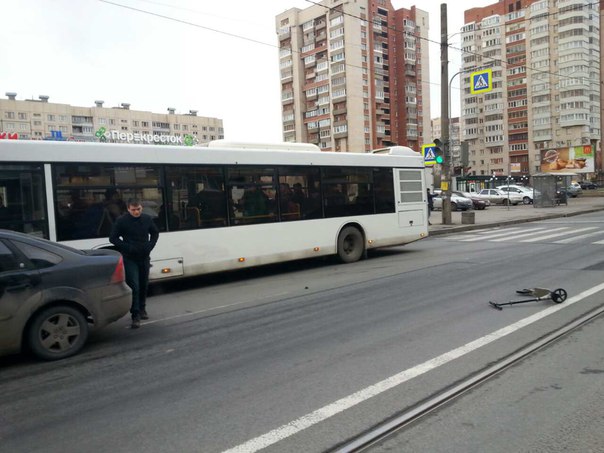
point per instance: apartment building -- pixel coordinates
(543, 112)
(354, 75)
(39, 119)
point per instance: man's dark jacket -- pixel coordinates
(138, 236)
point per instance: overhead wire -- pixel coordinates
(492, 60)
(192, 24)
(233, 35)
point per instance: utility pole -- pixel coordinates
(444, 114)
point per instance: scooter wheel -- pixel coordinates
(559, 295)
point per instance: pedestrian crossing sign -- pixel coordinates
(428, 153)
(481, 81)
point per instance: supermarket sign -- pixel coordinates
(128, 137)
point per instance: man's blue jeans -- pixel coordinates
(137, 278)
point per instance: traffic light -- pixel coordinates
(438, 151)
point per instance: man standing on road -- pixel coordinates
(430, 205)
(134, 234)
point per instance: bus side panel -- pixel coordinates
(197, 252)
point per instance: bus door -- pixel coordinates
(411, 204)
(23, 199)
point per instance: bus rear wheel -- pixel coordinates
(350, 245)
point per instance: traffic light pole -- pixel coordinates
(444, 115)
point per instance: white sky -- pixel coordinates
(79, 51)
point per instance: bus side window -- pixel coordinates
(302, 198)
(23, 206)
(383, 188)
(196, 198)
(252, 194)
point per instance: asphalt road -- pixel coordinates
(287, 357)
(551, 402)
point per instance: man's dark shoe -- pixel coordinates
(136, 323)
(144, 315)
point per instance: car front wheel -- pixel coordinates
(57, 332)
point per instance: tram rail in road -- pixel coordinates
(382, 432)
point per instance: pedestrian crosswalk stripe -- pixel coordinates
(494, 235)
(529, 235)
(549, 236)
(579, 237)
(532, 233)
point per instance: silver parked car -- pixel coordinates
(52, 295)
(496, 196)
(526, 192)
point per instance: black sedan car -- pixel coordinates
(588, 185)
(51, 295)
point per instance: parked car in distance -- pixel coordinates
(526, 192)
(457, 202)
(588, 185)
(52, 296)
(496, 196)
(574, 190)
(477, 203)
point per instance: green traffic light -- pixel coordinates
(439, 159)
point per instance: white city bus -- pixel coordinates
(221, 207)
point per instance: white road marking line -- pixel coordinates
(549, 236)
(598, 242)
(347, 402)
(528, 234)
(578, 238)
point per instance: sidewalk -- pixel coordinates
(497, 215)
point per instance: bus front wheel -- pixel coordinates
(350, 245)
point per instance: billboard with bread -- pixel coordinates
(578, 159)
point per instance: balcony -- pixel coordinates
(87, 120)
(340, 109)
